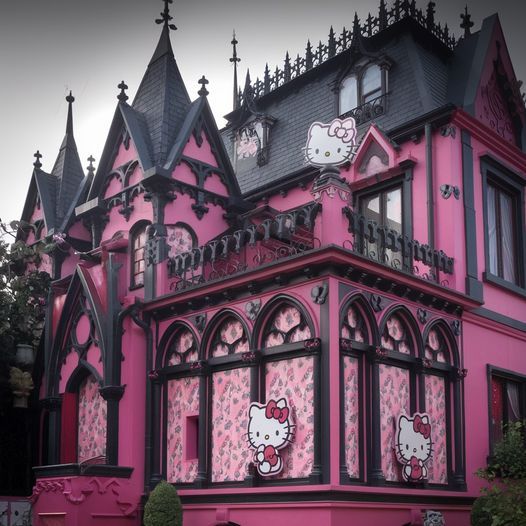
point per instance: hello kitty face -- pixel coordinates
(331, 144)
(414, 445)
(270, 429)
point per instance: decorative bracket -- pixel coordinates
(319, 293)
(447, 189)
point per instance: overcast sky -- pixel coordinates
(48, 47)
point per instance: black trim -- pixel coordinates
(510, 183)
(79, 470)
(473, 285)
(499, 318)
(336, 496)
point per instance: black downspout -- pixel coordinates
(429, 183)
(149, 450)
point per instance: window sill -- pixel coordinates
(502, 283)
(76, 470)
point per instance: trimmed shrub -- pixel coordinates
(163, 507)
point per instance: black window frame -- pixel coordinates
(495, 175)
(504, 375)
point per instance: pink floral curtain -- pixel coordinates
(353, 325)
(230, 338)
(183, 348)
(351, 415)
(91, 421)
(286, 326)
(435, 394)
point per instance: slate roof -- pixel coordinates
(162, 99)
(59, 189)
(417, 85)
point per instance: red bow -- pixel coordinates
(273, 411)
(420, 427)
(271, 455)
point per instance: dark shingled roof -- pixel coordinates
(417, 81)
(162, 99)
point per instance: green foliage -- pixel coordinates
(503, 502)
(163, 507)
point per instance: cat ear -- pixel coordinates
(403, 421)
(252, 411)
(281, 403)
(313, 127)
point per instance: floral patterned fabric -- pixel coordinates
(183, 400)
(91, 421)
(182, 349)
(179, 240)
(396, 336)
(435, 388)
(394, 399)
(230, 403)
(293, 379)
(353, 326)
(231, 339)
(435, 347)
(287, 326)
(351, 412)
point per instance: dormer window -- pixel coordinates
(252, 142)
(361, 94)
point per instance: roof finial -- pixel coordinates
(203, 92)
(90, 167)
(37, 164)
(69, 125)
(235, 59)
(122, 95)
(165, 16)
(467, 24)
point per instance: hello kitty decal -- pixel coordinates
(270, 429)
(414, 446)
(331, 144)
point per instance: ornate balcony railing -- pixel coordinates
(388, 247)
(282, 236)
(368, 111)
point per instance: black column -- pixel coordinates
(53, 405)
(314, 345)
(202, 465)
(473, 285)
(459, 476)
(155, 446)
(112, 394)
(375, 473)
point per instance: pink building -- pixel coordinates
(200, 270)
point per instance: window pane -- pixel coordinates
(371, 83)
(394, 209)
(348, 94)
(507, 237)
(513, 401)
(492, 232)
(372, 208)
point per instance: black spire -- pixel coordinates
(90, 167)
(467, 24)
(203, 92)
(235, 60)
(165, 16)
(69, 124)
(122, 95)
(37, 164)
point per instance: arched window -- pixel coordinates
(180, 238)
(396, 391)
(138, 263)
(181, 405)
(360, 92)
(92, 421)
(437, 394)
(354, 340)
(84, 420)
(288, 371)
(229, 388)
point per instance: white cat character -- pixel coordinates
(270, 429)
(414, 446)
(331, 144)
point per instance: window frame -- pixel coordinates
(135, 231)
(404, 182)
(358, 72)
(508, 376)
(495, 175)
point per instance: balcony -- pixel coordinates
(368, 111)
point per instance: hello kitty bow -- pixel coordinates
(273, 411)
(344, 130)
(420, 427)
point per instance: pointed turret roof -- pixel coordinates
(162, 98)
(67, 169)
